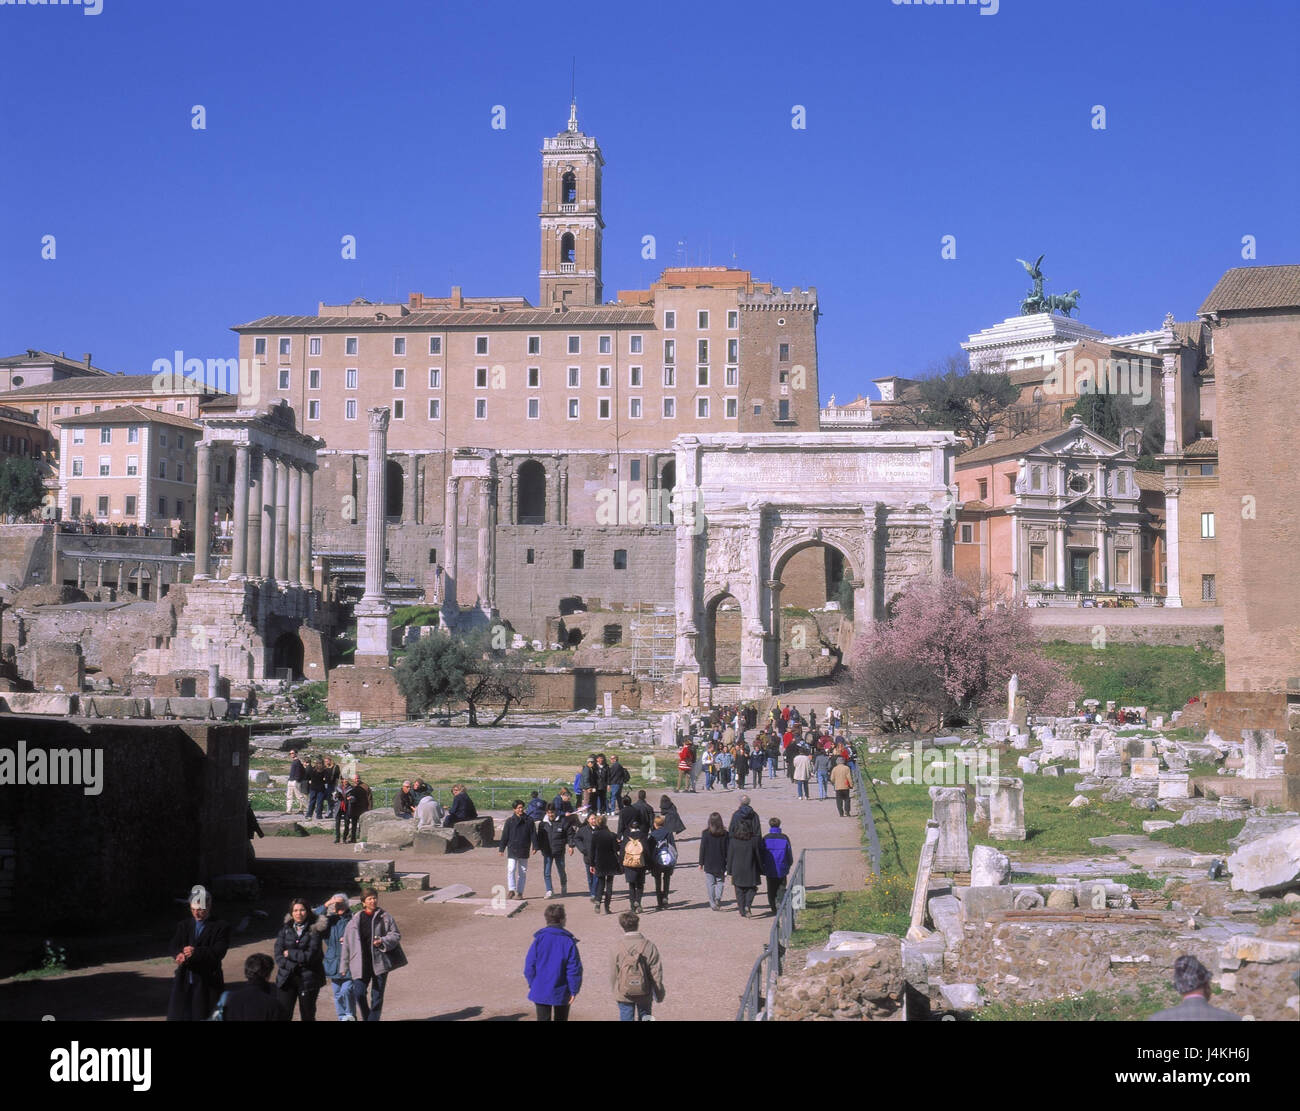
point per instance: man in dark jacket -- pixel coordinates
(580, 838)
(404, 803)
(745, 818)
(643, 812)
(297, 782)
(198, 947)
(256, 1000)
(778, 859)
(618, 775)
(462, 807)
(357, 799)
(518, 841)
(332, 773)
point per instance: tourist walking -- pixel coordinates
(332, 774)
(685, 761)
(745, 817)
(842, 781)
(372, 948)
(198, 947)
(605, 863)
(722, 763)
(316, 789)
(777, 860)
(634, 858)
(553, 968)
(802, 762)
(745, 867)
(757, 758)
(299, 961)
(636, 971)
(587, 784)
(551, 844)
(822, 769)
(518, 842)
(358, 800)
(618, 776)
(663, 859)
(294, 793)
(332, 920)
(601, 798)
(713, 859)
(580, 839)
(672, 819)
(706, 761)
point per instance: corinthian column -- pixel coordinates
(239, 542)
(267, 562)
(295, 517)
(203, 513)
(372, 610)
(304, 528)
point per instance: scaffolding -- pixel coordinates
(654, 642)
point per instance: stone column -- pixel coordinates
(1006, 808)
(866, 596)
(281, 519)
(1061, 580)
(553, 493)
(157, 581)
(359, 481)
(938, 535)
(949, 809)
(1258, 752)
(239, 542)
(81, 574)
(684, 589)
(253, 562)
(450, 555)
(121, 576)
(304, 528)
(512, 510)
(1103, 556)
(372, 610)
(753, 636)
(491, 575)
(409, 489)
(916, 931)
(1173, 595)
(99, 574)
(214, 678)
(295, 522)
(267, 568)
(203, 512)
(563, 517)
(483, 532)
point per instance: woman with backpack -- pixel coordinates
(713, 859)
(634, 858)
(663, 859)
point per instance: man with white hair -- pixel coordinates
(1192, 982)
(198, 947)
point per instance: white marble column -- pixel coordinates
(295, 519)
(1173, 594)
(281, 520)
(753, 657)
(1103, 556)
(267, 562)
(203, 512)
(450, 556)
(239, 542)
(304, 527)
(372, 610)
(938, 538)
(1061, 578)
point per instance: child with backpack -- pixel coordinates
(636, 975)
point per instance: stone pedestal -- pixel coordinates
(1257, 747)
(1108, 765)
(1088, 755)
(953, 852)
(1174, 785)
(1145, 767)
(1006, 807)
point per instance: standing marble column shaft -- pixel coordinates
(281, 519)
(203, 512)
(295, 518)
(267, 532)
(304, 528)
(239, 543)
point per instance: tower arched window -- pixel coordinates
(567, 250)
(569, 188)
(1038, 395)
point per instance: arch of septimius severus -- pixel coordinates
(750, 502)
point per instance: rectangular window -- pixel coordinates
(733, 319)
(57, 410)
(162, 468)
(399, 409)
(575, 377)
(103, 506)
(573, 408)
(313, 345)
(670, 350)
(399, 378)
(634, 377)
(435, 408)
(433, 556)
(259, 345)
(1207, 526)
(105, 466)
(783, 410)
(529, 556)
(1122, 567)
(579, 558)
(1207, 468)
(670, 377)
(76, 468)
(283, 379)
(1207, 589)
(350, 378)
(350, 345)
(670, 320)
(78, 435)
(1035, 478)
(534, 345)
(162, 507)
(701, 375)
(733, 350)
(180, 472)
(575, 345)
(634, 345)
(285, 343)
(731, 408)
(435, 378)
(670, 408)
(313, 379)
(180, 406)
(984, 488)
(783, 352)
(480, 345)
(602, 377)
(75, 508)
(966, 531)
(162, 438)
(399, 345)
(732, 376)
(534, 408)
(634, 408)
(702, 408)
(534, 377)
(313, 409)
(435, 345)
(105, 435)
(480, 408)
(605, 345)
(620, 559)
(350, 409)
(1037, 562)
(480, 377)
(634, 470)
(702, 354)
(602, 408)
(130, 505)
(1011, 483)
(132, 466)
(702, 320)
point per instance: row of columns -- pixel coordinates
(486, 542)
(273, 505)
(137, 572)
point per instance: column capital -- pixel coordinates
(379, 418)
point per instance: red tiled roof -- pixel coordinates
(1255, 287)
(1002, 449)
(1203, 446)
(130, 414)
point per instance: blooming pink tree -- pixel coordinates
(951, 647)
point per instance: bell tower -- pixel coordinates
(570, 218)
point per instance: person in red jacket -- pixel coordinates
(685, 761)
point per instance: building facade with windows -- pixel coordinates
(568, 409)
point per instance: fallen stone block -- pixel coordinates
(1199, 815)
(1259, 950)
(449, 893)
(945, 913)
(27, 702)
(989, 867)
(1060, 899)
(1051, 770)
(962, 997)
(414, 881)
(1270, 861)
(1078, 801)
(437, 842)
(1153, 825)
(1028, 900)
(1261, 826)
(852, 939)
(382, 827)
(374, 869)
(1144, 803)
(502, 910)
(480, 832)
(1174, 785)
(977, 903)
(922, 958)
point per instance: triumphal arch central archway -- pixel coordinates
(746, 503)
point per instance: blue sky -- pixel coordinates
(327, 119)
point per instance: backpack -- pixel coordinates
(667, 855)
(634, 854)
(219, 1014)
(633, 977)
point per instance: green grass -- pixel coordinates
(1141, 880)
(1160, 677)
(1207, 837)
(1203, 768)
(310, 700)
(883, 908)
(413, 615)
(1277, 912)
(1091, 1006)
(1031, 877)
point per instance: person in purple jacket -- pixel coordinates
(553, 968)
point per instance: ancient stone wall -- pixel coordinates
(110, 634)
(1167, 635)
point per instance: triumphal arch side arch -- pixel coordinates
(747, 503)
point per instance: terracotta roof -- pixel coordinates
(1002, 449)
(1203, 446)
(1255, 287)
(975, 506)
(1189, 331)
(130, 414)
(104, 386)
(1150, 480)
(39, 358)
(598, 315)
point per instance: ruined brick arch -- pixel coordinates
(709, 656)
(779, 659)
(852, 562)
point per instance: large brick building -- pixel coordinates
(561, 415)
(1254, 318)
